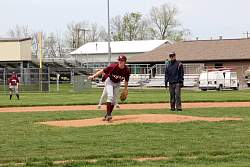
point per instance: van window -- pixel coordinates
(233, 75)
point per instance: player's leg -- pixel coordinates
(109, 91)
(102, 98)
(178, 97)
(172, 96)
(110, 98)
(10, 91)
(116, 93)
(16, 92)
(106, 114)
(116, 87)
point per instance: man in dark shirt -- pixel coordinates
(174, 75)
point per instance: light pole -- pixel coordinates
(109, 48)
(78, 36)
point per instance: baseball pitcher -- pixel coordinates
(113, 75)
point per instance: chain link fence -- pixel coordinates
(142, 75)
(31, 79)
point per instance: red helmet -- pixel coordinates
(122, 58)
(13, 73)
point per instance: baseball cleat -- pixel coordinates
(105, 117)
(109, 118)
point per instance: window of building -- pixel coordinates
(218, 65)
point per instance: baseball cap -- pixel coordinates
(172, 54)
(122, 58)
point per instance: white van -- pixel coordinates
(218, 79)
(247, 76)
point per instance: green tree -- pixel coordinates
(132, 26)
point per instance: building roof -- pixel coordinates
(119, 47)
(14, 39)
(199, 50)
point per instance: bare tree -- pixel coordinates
(19, 32)
(74, 37)
(50, 44)
(35, 44)
(80, 33)
(60, 45)
(103, 34)
(144, 31)
(117, 29)
(164, 23)
(96, 33)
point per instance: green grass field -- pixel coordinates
(23, 142)
(192, 144)
(91, 96)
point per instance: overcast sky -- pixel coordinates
(204, 18)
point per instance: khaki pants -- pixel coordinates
(112, 90)
(13, 89)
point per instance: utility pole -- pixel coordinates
(40, 38)
(247, 33)
(78, 36)
(109, 48)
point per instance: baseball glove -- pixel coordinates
(123, 96)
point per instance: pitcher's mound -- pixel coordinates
(145, 118)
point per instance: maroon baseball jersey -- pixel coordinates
(13, 80)
(116, 74)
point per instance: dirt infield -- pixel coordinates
(124, 106)
(140, 118)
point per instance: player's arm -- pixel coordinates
(91, 77)
(166, 76)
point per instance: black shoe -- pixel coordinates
(105, 117)
(109, 118)
(179, 109)
(172, 109)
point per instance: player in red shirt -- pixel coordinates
(13, 85)
(114, 74)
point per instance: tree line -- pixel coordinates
(160, 23)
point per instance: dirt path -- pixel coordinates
(124, 106)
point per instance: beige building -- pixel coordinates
(15, 49)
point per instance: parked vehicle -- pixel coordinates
(247, 76)
(218, 79)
